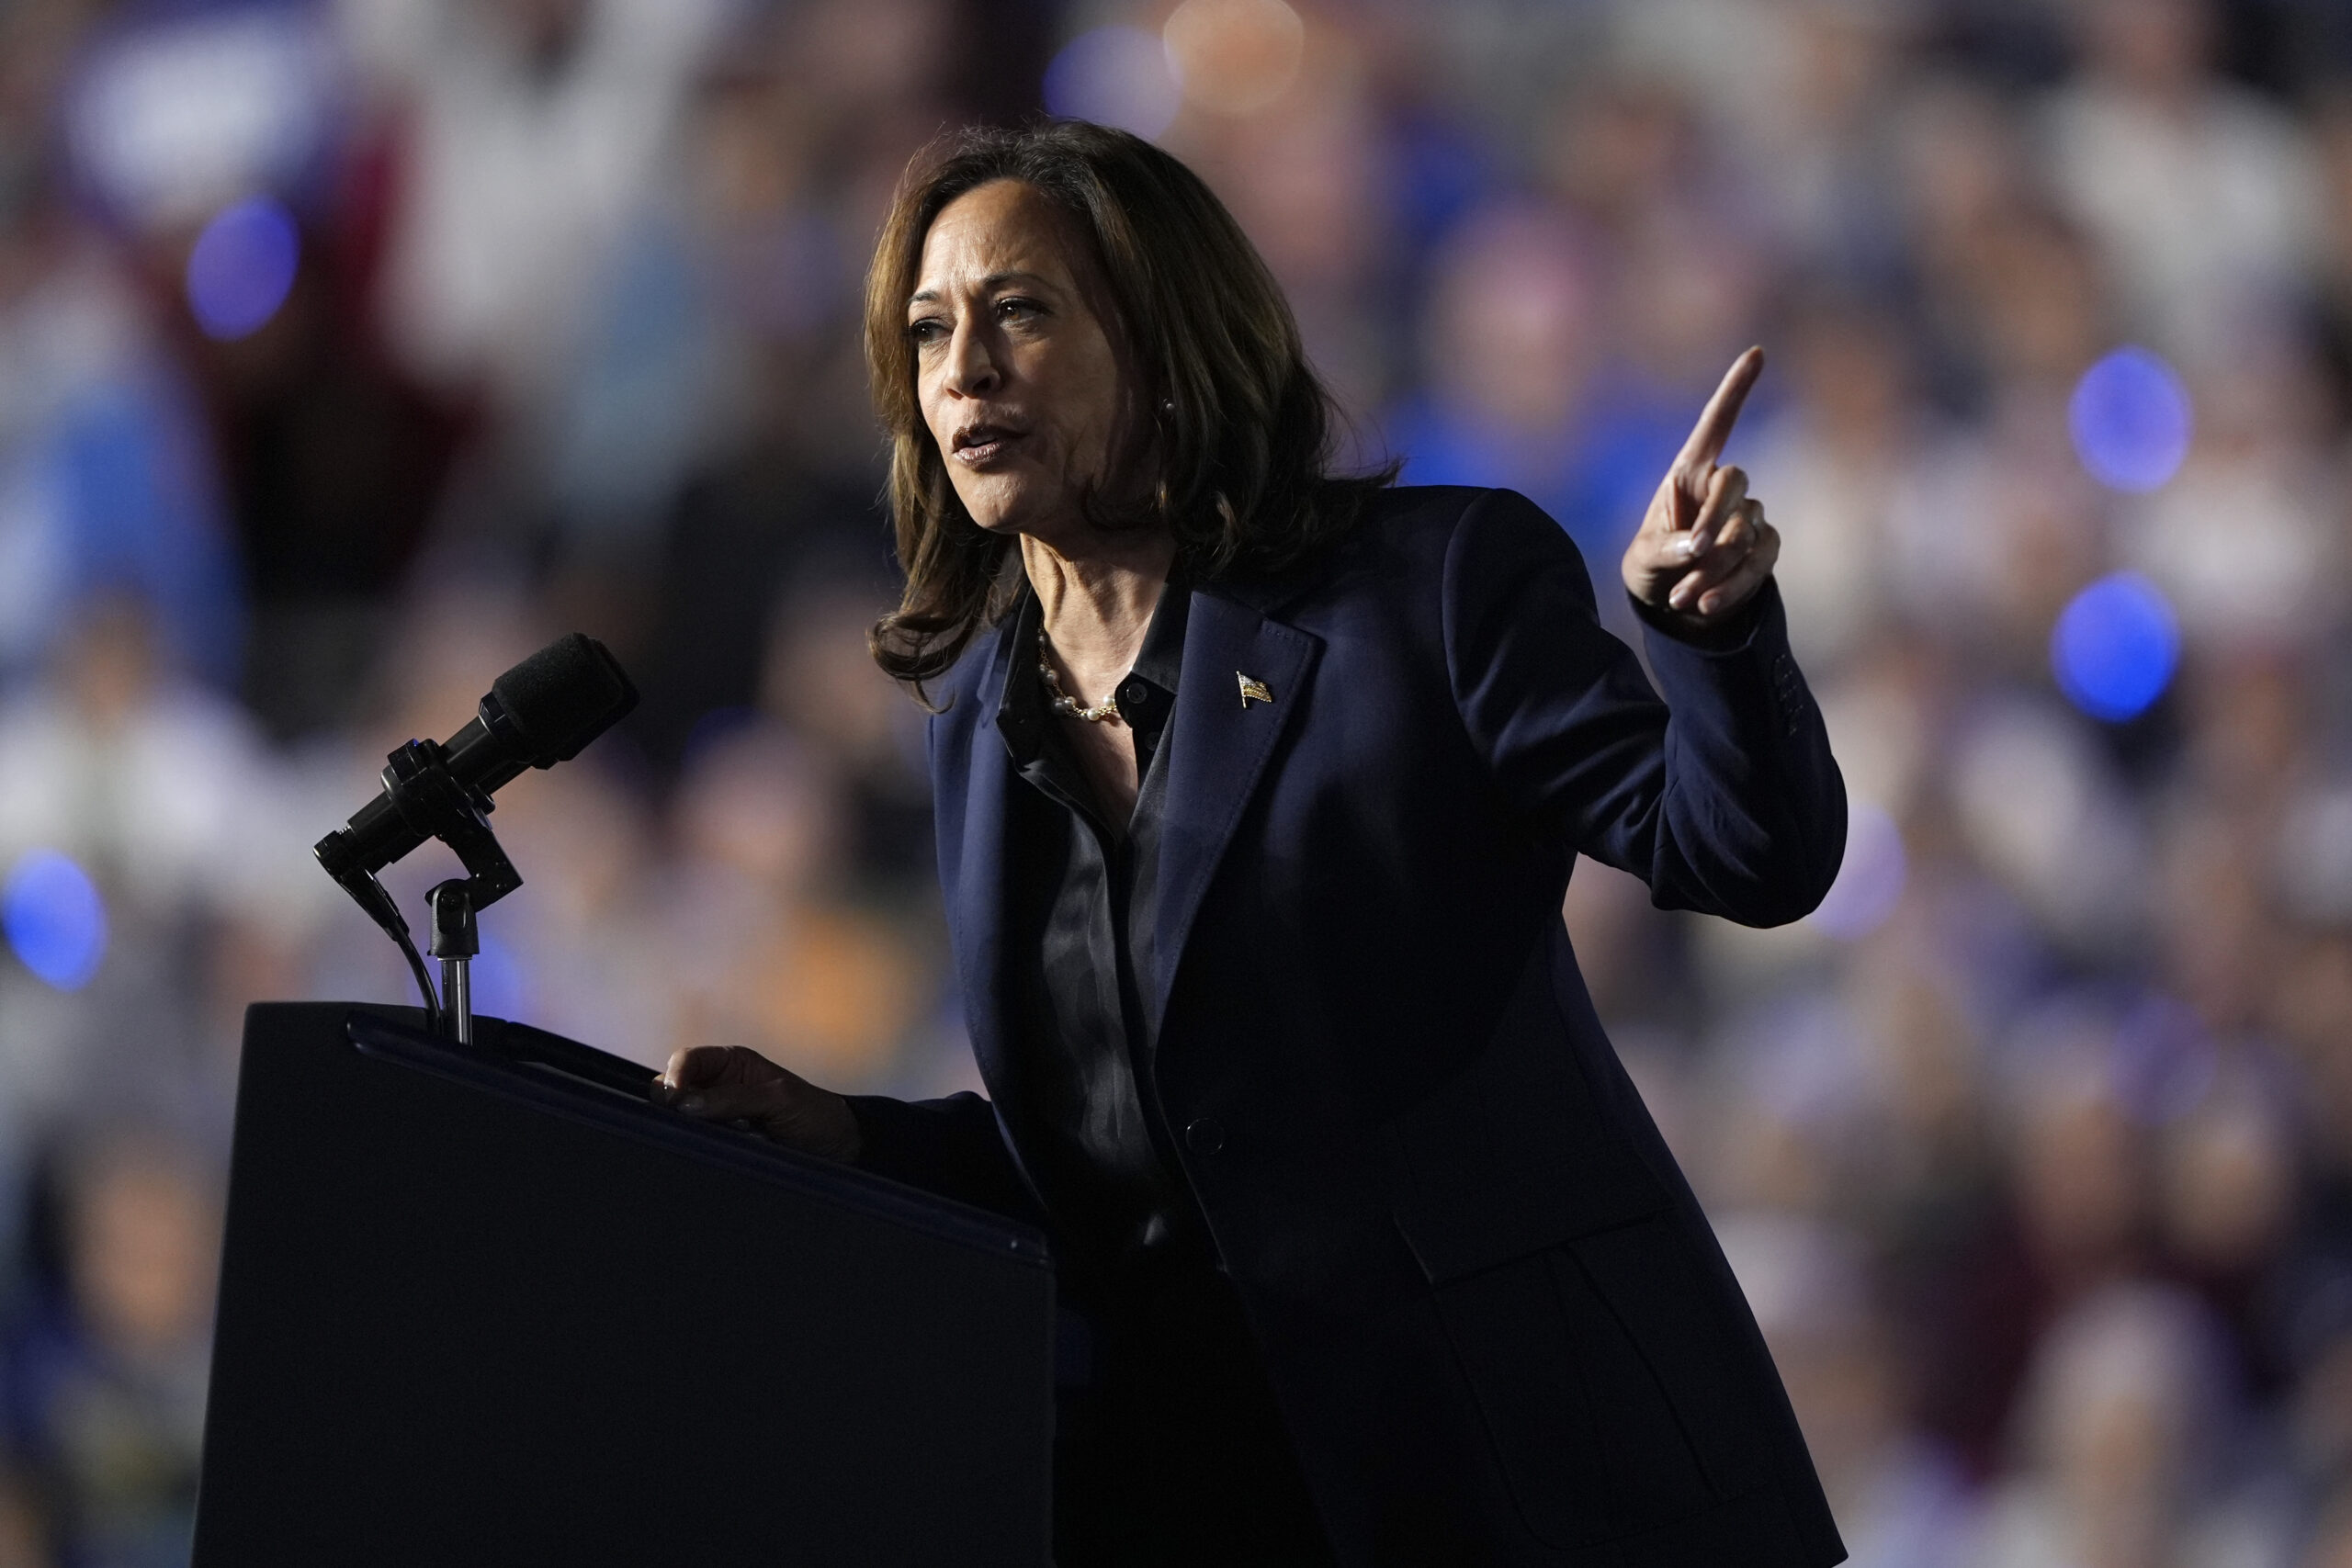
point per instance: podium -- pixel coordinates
(485, 1304)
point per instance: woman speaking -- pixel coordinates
(1258, 788)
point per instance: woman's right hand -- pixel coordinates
(1703, 548)
(730, 1083)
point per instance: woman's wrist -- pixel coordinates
(1716, 633)
(815, 1120)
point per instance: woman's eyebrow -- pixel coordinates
(993, 280)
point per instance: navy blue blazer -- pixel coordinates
(1498, 1327)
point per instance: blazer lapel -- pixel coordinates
(1220, 741)
(977, 876)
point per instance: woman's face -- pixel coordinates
(1014, 368)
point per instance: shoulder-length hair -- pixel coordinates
(1234, 458)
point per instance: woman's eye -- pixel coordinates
(928, 331)
(1017, 309)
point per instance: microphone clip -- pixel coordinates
(425, 791)
(432, 802)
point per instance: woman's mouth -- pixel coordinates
(980, 445)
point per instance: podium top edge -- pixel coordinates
(385, 1034)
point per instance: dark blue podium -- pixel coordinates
(485, 1305)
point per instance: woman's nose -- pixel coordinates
(971, 362)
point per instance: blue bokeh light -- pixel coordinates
(1870, 878)
(501, 981)
(1116, 76)
(241, 267)
(2131, 420)
(55, 921)
(2115, 646)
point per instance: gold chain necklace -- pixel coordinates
(1061, 702)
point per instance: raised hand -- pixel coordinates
(730, 1083)
(1704, 547)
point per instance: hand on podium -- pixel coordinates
(733, 1083)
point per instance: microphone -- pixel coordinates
(537, 714)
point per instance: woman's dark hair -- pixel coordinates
(1234, 463)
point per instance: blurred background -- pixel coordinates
(349, 349)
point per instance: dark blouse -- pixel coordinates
(1080, 894)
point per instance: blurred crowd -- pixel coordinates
(350, 349)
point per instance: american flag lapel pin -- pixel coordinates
(1253, 688)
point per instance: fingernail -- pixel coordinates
(1676, 600)
(1686, 546)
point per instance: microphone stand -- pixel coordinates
(432, 802)
(455, 943)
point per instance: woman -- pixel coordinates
(1257, 791)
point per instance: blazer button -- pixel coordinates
(1135, 692)
(1202, 1136)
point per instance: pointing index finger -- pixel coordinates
(1707, 437)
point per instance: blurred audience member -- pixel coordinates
(1900, 1502)
(107, 1383)
(2129, 1451)
(1509, 348)
(761, 933)
(106, 482)
(2203, 195)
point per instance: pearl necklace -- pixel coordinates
(1061, 702)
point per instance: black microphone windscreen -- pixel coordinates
(564, 696)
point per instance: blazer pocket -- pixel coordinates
(1587, 1442)
(1688, 1322)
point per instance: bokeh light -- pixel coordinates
(1870, 880)
(1115, 76)
(500, 980)
(1235, 56)
(55, 921)
(2115, 646)
(242, 266)
(2131, 420)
